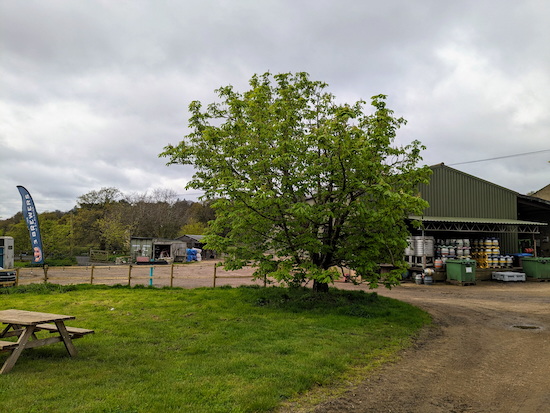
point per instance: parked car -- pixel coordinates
(7, 277)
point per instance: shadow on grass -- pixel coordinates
(295, 300)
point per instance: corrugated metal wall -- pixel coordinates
(141, 247)
(452, 193)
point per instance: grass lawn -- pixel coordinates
(203, 350)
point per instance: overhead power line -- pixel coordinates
(500, 157)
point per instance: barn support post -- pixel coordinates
(423, 249)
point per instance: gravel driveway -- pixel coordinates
(489, 351)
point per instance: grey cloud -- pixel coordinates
(101, 86)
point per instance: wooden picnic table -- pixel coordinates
(25, 325)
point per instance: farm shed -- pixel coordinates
(192, 241)
(465, 207)
(156, 248)
(195, 241)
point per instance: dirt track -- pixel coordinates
(473, 360)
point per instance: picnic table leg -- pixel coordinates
(66, 338)
(17, 327)
(5, 330)
(16, 352)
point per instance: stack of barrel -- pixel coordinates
(458, 248)
(486, 252)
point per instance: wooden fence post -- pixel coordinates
(214, 284)
(45, 273)
(92, 275)
(17, 277)
(129, 274)
(172, 275)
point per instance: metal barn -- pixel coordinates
(462, 206)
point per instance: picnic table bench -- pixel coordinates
(25, 325)
(74, 332)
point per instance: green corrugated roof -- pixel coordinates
(453, 193)
(476, 220)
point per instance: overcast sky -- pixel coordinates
(91, 91)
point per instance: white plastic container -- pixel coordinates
(508, 276)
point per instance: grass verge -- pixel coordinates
(202, 350)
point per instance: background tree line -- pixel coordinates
(105, 219)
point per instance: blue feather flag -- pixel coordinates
(31, 218)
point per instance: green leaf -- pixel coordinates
(303, 180)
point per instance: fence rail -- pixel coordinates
(99, 255)
(155, 275)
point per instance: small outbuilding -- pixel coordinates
(157, 249)
(195, 241)
(192, 241)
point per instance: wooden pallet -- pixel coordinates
(461, 283)
(534, 279)
(439, 280)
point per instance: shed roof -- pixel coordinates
(452, 193)
(442, 165)
(194, 237)
(498, 221)
(478, 225)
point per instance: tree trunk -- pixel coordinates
(320, 287)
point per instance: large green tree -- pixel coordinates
(55, 231)
(20, 233)
(115, 235)
(91, 208)
(304, 184)
(159, 214)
